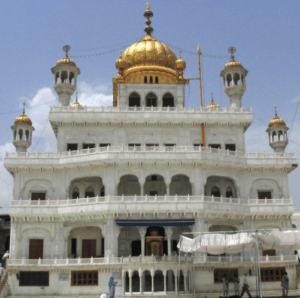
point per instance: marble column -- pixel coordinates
(141, 281)
(165, 281)
(176, 282)
(168, 189)
(124, 282)
(169, 232)
(130, 282)
(111, 233)
(142, 231)
(152, 281)
(142, 189)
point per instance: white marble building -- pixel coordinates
(126, 180)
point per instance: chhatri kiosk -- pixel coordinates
(128, 179)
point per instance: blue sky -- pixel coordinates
(265, 33)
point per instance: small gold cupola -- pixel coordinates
(212, 105)
(22, 132)
(76, 103)
(277, 131)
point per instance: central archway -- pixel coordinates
(155, 185)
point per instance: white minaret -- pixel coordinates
(234, 80)
(65, 78)
(277, 131)
(22, 132)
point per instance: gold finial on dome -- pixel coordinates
(213, 104)
(148, 14)
(180, 65)
(76, 103)
(66, 60)
(23, 119)
(276, 121)
(232, 62)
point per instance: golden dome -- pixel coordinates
(76, 103)
(233, 63)
(149, 52)
(23, 119)
(65, 61)
(276, 121)
(213, 105)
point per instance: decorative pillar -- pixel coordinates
(168, 188)
(152, 280)
(176, 282)
(142, 189)
(130, 281)
(169, 232)
(142, 231)
(111, 233)
(165, 281)
(123, 282)
(141, 280)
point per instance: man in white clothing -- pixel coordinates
(245, 286)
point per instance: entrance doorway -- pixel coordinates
(36, 248)
(88, 248)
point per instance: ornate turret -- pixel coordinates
(65, 78)
(22, 132)
(234, 79)
(76, 103)
(277, 131)
(212, 105)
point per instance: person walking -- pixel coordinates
(285, 284)
(225, 285)
(112, 286)
(1, 271)
(4, 258)
(245, 286)
(236, 285)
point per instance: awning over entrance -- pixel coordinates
(154, 223)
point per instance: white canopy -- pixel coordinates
(217, 243)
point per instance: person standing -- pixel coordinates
(112, 286)
(285, 284)
(4, 258)
(245, 286)
(236, 285)
(225, 285)
(1, 271)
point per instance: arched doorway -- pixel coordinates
(218, 186)
(129, 186)
(155, 185)
(86, 187)
(135, 279)
(168, 100)
(129, 241)
(134, 100)
(180, 185)
(170, 281)
(151, 99)
(147, 281)
(158, 281)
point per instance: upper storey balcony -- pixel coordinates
(67, 115)
(120, 154)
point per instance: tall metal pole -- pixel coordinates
(258, 266)
(201, 96)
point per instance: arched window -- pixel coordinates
(229, 80)
(156, 80)
(134, 100)
(168, 100)
(151, 80)
(56, 77)
(71, 77)
(20, 134)
(215, 192)
(75, 193)
(27, 135)
(229, 193)
(145, 79)
(15, 135)
(89, 192)
(237, 81)
(274, 136)
(64, 76)
(280, 135)
(151, 100)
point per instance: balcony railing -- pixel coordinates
(150, 259)
(151, 199)
(149, 149)
(151, 109)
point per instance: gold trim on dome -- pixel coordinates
(65, 61)
(276, 121)
(212, 105)
(23, 119)
(233, 63)
(76, 103)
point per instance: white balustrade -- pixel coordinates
(150, 199)
(149, 260)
